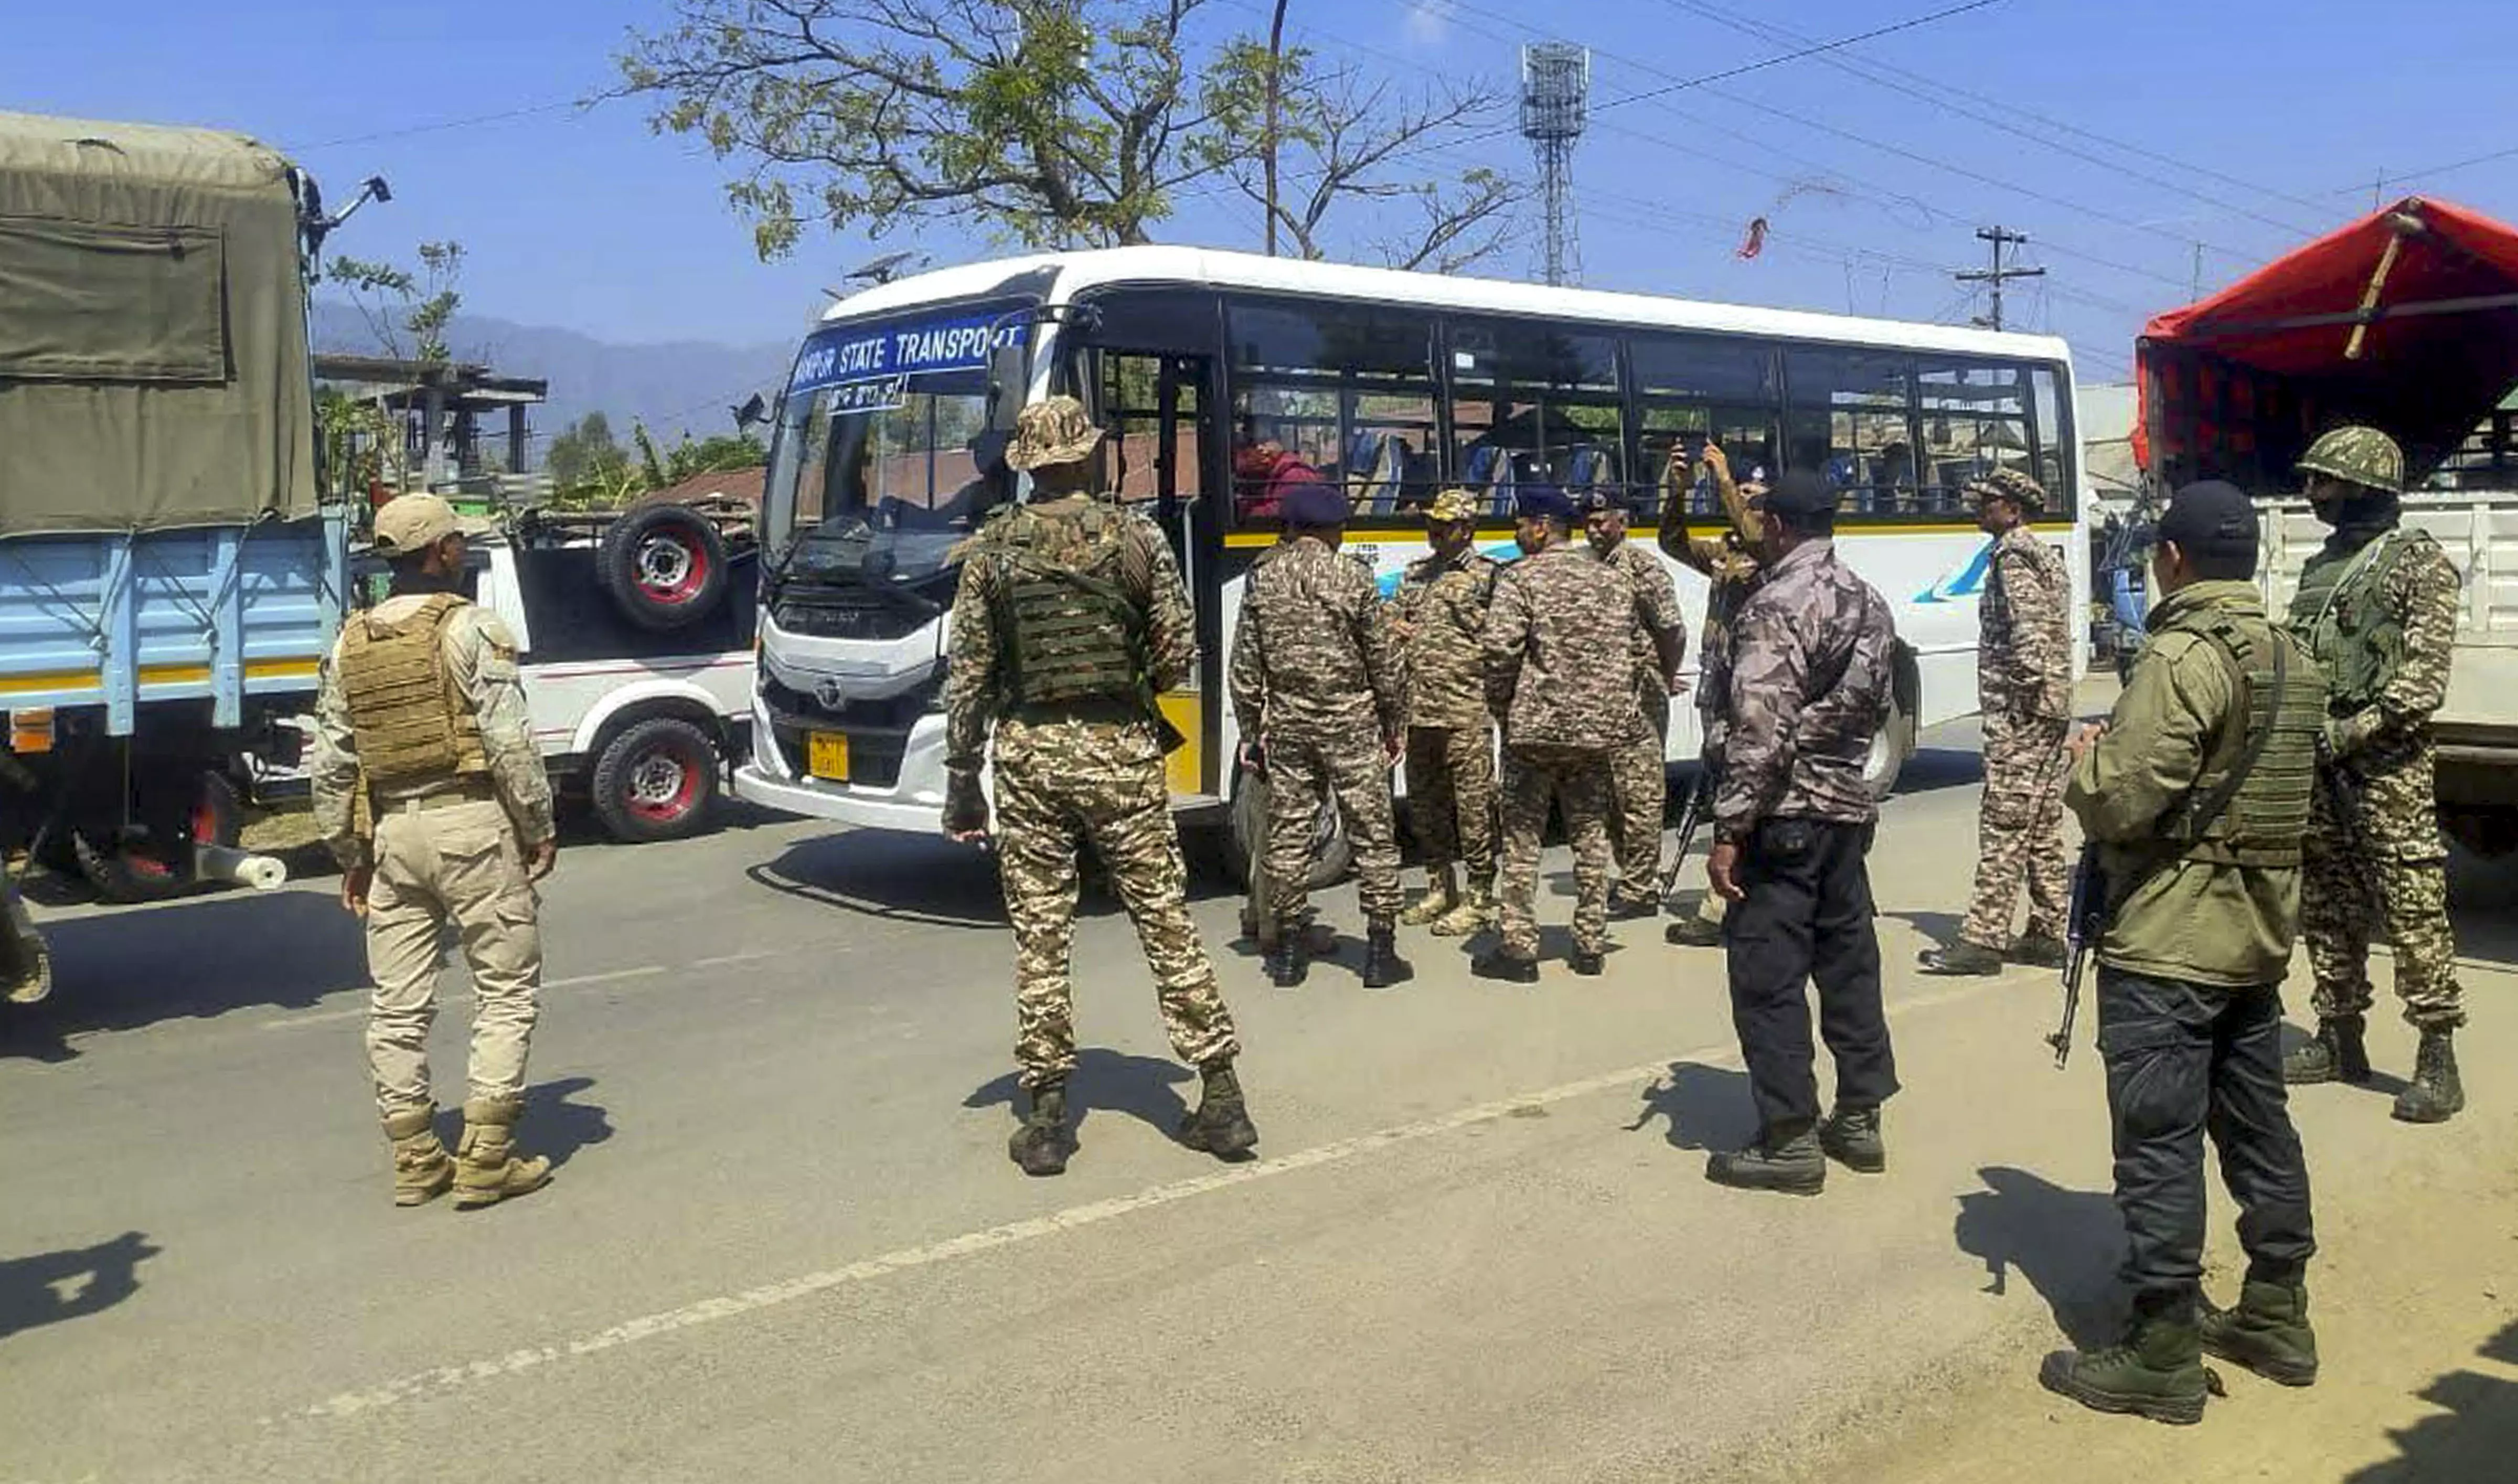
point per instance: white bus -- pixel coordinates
(1214, 369)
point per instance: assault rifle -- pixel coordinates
(2082, 925)
(1691, 818)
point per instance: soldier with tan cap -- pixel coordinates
(1442, 619)
(421, 717)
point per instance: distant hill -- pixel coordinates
(675, 386)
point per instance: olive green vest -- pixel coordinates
(2258, 825)
(1072, 632)
(2340, 613)
(412, 728)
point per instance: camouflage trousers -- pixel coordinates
(1308, 774)
(1577, 782)
(1451, 797)
(1049, 804)
(455, 866)
(2385, 867)
(1639, 798)
(2019, 832)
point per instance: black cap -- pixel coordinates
(1543, 501)
(1314, 502)
(1599, 502)
(1799, 492)
(2213, 522)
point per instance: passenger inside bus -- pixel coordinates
(1263, 471)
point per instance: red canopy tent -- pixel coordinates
(2407, 320)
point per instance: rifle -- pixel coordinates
(2342, 790)
(2083, 924)
(1691, 818)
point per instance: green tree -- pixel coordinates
(407, 312)
(584, 452)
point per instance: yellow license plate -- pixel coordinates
(826, 755)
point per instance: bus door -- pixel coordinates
(1151, 403)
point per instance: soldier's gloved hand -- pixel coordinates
(966, 808)
(2346, 736)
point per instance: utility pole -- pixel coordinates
(2000, 275)
(1276, 79)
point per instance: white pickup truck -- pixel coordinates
(2477, 726)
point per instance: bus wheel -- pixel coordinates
(656, 781)
(1331, 851)
(1889, 750)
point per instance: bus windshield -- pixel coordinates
(884, 458)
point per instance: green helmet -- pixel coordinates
(2361, 455)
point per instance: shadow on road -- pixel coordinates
(893, 875)
(554, 1127)
(1705, 1107)
(1936, 926)
(1933, 768)
(53, 1286)
(1141, 1087)
(2063, 1241)
(2473, 1440)
(136, 966)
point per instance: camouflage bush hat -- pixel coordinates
(2011, 485)
(1452, 508)
(410, 524)
(2361, 455)
(1051, 432)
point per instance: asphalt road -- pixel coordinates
(785, 1243)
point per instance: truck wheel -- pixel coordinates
(656, 781)
(1331, 851)
(664, 566)
(129, 872)
(1889, 750)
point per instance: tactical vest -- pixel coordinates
(1073, 634)
(414, 727)
(2340, 613)
(2260, 825)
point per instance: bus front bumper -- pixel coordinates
(862, 808)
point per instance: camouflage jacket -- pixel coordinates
(1441, 612)
(2419, 597)
(481, 659)
(1810, 676)
(2025, 627)
(1313, 654)
(1661, 629)
(1728, 563)
(1560, 653)
(975, 650)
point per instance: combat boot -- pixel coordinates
(2268, 1332)
(422, 1169)
(1629, 907)
(1044, 1143)
(1852, 1137)
(1221, 1126)
(2436, 1095)
(1959, 958)
(1783, 1160)
(1288, 957)
(2336, 1055)
(1590, 962)
(1442, 894)
(1472, 913)
(1502, 964)
(1382, 965)
(2156, 1371)
(487, 1168)
(1693, 932)
(2040, 950)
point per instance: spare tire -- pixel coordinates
(664, 566)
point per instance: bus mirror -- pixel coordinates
(1009, 381)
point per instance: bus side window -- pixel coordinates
(1540, 397)
(1330, 390)
(1691, 387)
(1851, 418)
(1975, 420)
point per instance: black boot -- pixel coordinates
(2268, 1332)
(1221, 1126)
(1590, 962)
(1382, 965)
(2040, 950)
(1852, 1137)
(1042, 1145)
(2436, 1095)
(2156, 1371)
(2335, 1055)
(1502, 964)
(1288, 958)
(1959, 958)
(1693, 932)
(1786, 1159)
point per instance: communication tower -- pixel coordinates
(1555, 103)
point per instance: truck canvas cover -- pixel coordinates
(154, 366)
(2406, 319)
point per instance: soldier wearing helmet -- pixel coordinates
(2378, 606)
(2024, 694)
(1440, 609)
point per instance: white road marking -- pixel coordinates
(725, 960)
(424, 1384)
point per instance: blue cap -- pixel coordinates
(1314, 502)
(1543, 502)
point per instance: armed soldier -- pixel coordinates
(2197, 790)
(1442, 618)
(1317, 687)
(1560, 681)
(420, 719)
(1792, 822)
(1639, 775)
(1070, 619)
(1728, 562)
(2024, 693)
(2377, 607)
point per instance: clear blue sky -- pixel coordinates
(586, 220)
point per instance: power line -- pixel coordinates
(2434, 171)
(1998, 275)
(443, 124)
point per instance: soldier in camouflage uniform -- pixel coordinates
(2024, 693)
(1728, 562)
(431, 796)
(1441, 620)
(1810, 675)
(1069, 618)
(1559, 642)
(1316, 684)
(1639, 775)
(2377, 607)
